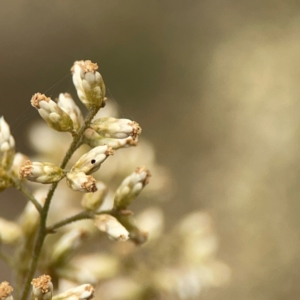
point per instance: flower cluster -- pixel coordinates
(60, 236)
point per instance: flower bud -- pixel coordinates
(6, 291)
(42, 288)
(55, 117)
(67, 244)
(42, 172)
(92, 201)
(7, 145)
(93, 139)
(91, 161)
(67, 104)
(88, 83)
(131, 187)
(80, 182)
(19, 160)
(114, 229)
(10, 232)
(82, 292)
(116, 128)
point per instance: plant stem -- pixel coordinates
(44, 213)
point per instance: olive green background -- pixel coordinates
(215, 86)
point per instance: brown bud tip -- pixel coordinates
(5, 290)
(25, 169)
(109, 151)
(90, 185)
(37, 98)
(142, 169)
(42, 283)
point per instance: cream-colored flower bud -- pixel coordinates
(116, 128)
(114, 229)
(10, 232)
(66, 103)
(42, 288)
(93, 139)
(88, 83)
(30, 217)
(55, 117)
(7, 145)
(66, 245)
(6, 291)
(92, 201)
(131, 187)
(82, 292)
(91, 161)
(42, 172)
(19, 160)
(80, 182)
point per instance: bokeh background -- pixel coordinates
(215, 86)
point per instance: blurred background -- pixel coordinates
(215, 87)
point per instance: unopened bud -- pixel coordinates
(5, 291)
(82, 292)
(66, 103)
(55, 117)
(80, 182)
(42, 288)
(10, 232)
(92, 201)
(88, 83)
(7, 145)
(116, 128)
(131, 187)
(19, 160)
(93, 139)
(114, 229)
(91, 161)
(67, 244)
(42, 172)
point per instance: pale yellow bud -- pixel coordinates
(114, 229)
(10, 232)
(7, 145)
(66, 103)
(42, 288)
(92, 201)
(93, 139)
(5, 291)
(42, 172)
(131, 187)
(80, 182)
(91, 161)
(55, 117)
(116, 128)
(88, 83)
(66, 245)
(82, 292)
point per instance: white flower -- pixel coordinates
(88, 83)
(80, 182)
(7, 145)
(55, 117)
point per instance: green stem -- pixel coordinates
(44, 213)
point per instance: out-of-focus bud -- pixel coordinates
(67, 244)
(42, 288)
(93, 139)
(30, 217)
(82, 292)
(6, 291)
(114, 229)
(10, 232)
(116, 128)
(5, 180)
(42, 172)
(91, 161)
(88, 83)
(7, 145)
(80, 182)
(66, 103)
(55, 117)
(92, 201)
(131, 187)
